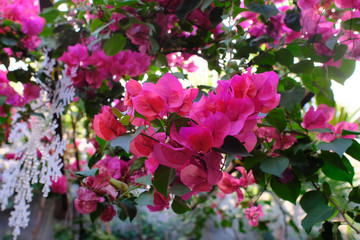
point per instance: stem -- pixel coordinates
(342, 213)
(39, 217)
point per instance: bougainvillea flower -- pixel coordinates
(133, 88)
(196, 179)
(32, 25)
(219, 126)
(347, 4)
(198, 138)
(60, 186)
(237, 110)
(101, 182)
(169, 87)
(170, 156)
(149, 104)
(319, 118)
(247, 177)
(229, 184)
(213, 161)
(160, 202)
(190, 95)
(86, 201)
(253, 213)
(108, 213)
(106, 126)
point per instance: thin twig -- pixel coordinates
(342, 213)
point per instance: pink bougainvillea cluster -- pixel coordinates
(314, 20)
(26, 14)
(192, 147)
(91, 70)
(320, 118)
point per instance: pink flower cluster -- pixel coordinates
(276, 28)
(13, 98)
(91, 70)
(233, 110)
(320, 119)
(25, 13)
(183, 60)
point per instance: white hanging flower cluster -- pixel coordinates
(38, 150)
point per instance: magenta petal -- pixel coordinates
(219, 125)
(170, 156)
(213, 160)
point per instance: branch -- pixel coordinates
(342, 213)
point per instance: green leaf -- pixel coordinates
(94, 159)
(304, 66)
(275, 166)
(91, 172)
(114, 44)
(137, 164)
(351, 24)
(50, 14)
(317, 210)
(145, 180)
(145, 198)
(321, 130)
(179, 205)
(8, 41)
(179, 189)
(206, 4)
(292, 20)
(339, 145)
(333, 159)
(335, 173)
(342, 73)
(154, 45)
(101, 142)
(125, 140)
(126, 209)
(284, 57)
(354, 195)
(345, 132)
(277, 119)
(233, 146)
(354, 150)
(340, 51)
(94, 215)
(186, 7)
(291, 98)
(2, 99)
(215, 16)
(123, 3)
(268, 10)
(163, 177)
(96, 23)
(99, 29)
(287, 191)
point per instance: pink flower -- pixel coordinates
(170, 156)
(149, 103)
(198, 138)
(108, 213)
(33, 25)
(31, 92)
(86, 201)
(347, 3)
(160, 202)
(106, 126)
(60, 186)
(196, 179)
(230, 184)
(319, 118)
(253, 213)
